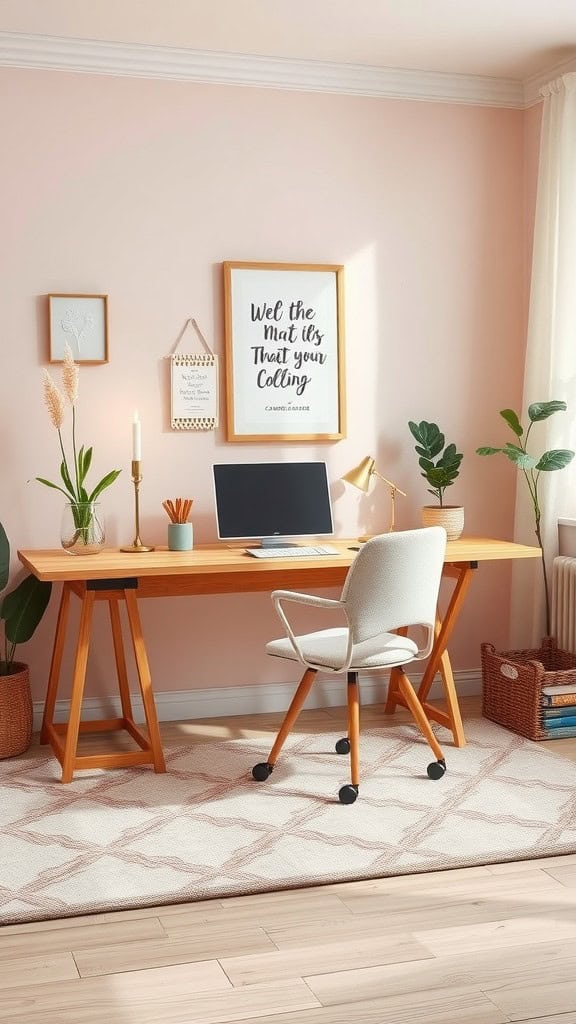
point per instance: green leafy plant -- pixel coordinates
(431, 442)
(73, 468)
(21, 610)
(532, 466)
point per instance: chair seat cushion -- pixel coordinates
(327, 649)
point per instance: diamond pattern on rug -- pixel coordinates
(128, 837)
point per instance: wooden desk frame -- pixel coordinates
(116, 577)
(64, 738)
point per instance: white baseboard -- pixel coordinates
(219, 702)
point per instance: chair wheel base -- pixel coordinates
(261, 771)
(436, 769)
(343, 746)
(348, 794)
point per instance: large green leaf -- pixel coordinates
(49, 483)
(428, 436)
(4, 557)
(512, 420)
(520, 458)
(66, 477)
(105, 482)
(557, 458)
(24, 607)
(85, 460)
(542, 410)
(487, 450)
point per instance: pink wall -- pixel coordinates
(140, 189)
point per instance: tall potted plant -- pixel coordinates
(532, 466)
(440, 466)
(20, 613)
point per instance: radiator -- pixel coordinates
(564, 602)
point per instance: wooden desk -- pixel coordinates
(115, 576)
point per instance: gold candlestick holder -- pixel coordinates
(137, 545)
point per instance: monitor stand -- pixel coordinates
(276, 542)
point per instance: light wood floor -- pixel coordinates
(483, 945)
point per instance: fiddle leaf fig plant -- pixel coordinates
(533, 465)
(430, 443)
(21, 610)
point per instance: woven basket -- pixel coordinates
(513, 681)
(15, 711)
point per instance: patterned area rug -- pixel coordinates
(129, 838)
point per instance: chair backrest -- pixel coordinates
(394, 581)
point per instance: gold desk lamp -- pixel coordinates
(361, 476)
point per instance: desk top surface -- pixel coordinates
(111, 563)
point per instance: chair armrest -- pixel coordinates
(311, 600)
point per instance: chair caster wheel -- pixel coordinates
(348, 794)
(343, 746)
(436, 769)
(261, 771)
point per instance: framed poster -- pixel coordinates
(81, 321)
(284, 326)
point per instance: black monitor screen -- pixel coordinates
(272, 499)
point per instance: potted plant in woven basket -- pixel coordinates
(440, 474)
(20, 613)
(529, 691)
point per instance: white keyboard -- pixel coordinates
(295, 552)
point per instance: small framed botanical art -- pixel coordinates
(81, 321)
(284, 326)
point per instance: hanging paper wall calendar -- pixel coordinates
(194, 384)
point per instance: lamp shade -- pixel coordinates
(361, 475)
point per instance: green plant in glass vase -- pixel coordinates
(82, 525)
(532, 466)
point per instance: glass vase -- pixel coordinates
(83, 528)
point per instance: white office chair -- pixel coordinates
(392, 584)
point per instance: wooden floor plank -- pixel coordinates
(88, 935)
(201, 942)
(117, 998)
(460, 1006)
(341, 956)
(524, 928)
(541, 997)
(301, 908)
(37, 970)
(488, 970)
(190, 994)
(563, 1018)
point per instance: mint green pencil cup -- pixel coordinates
(180, 537)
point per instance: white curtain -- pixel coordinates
(550, 369)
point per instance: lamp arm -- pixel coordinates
(393, 487)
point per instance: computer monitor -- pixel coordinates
(272, 501)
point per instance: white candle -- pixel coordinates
(136, 438)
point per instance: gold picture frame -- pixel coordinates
(81, 321)
(284, 335)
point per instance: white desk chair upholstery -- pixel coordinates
(392, 585)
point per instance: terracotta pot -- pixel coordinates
(451, 517)
(15, 711)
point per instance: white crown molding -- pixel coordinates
(533, 85)
(91, 56)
